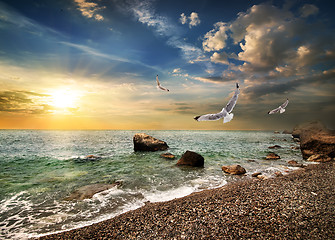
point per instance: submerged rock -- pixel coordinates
(168, 156)
(92, 157)
(272, 156)
(87, 158)
(144, 142)
(192, 159)
(234, 169)
(275, 146)
(89, 190)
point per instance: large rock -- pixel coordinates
(89, 190)
(234, 169)
(144, 142)
(315, 139)
(192, 159)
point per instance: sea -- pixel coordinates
(39, 169)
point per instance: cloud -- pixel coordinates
(144, 13)
(225, 77)
(24, 102)
(97, 53)
(273, 42)
(268, 39)
(192, 21)
(220, 58)
(183, 18)
(308, 9)
(176, 70)
(90, 9)
(216, 39)
(258, 90)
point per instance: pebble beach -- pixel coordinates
(299, 205)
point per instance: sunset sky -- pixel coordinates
(92, 64)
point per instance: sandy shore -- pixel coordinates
(300, 205)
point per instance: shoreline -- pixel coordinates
(297, 205)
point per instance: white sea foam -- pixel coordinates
(162, 196)
(67, 227)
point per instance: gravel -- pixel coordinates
(299, 205)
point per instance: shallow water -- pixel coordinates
(38, 169)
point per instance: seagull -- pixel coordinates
(159, 85)
(225, 112)
(279, 109)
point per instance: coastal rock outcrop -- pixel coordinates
(315, 139)
(168, 156)
(319, 158)
(89, 190)
(192, 159)
(144, 142)
(272, 156)
(234, 169)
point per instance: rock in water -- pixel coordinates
(272, 156)
(144, 142)
(192, 159)
(234, 169)
(275, 146)
(89, 190)
(315, 139)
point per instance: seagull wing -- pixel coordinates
(158, 84)
(232, 102)
(276, 110)
(284, 104)
(163, 88)
(211, 117)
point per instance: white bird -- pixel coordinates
(159, 85)
(226, 111)
(279, 109)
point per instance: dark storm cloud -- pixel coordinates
(268, 88)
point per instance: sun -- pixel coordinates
(64, 99)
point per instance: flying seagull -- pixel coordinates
(159, 85)
(279, 109)
(225, 112)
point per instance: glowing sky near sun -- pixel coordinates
(92, 64)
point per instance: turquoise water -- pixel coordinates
(38, 169)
